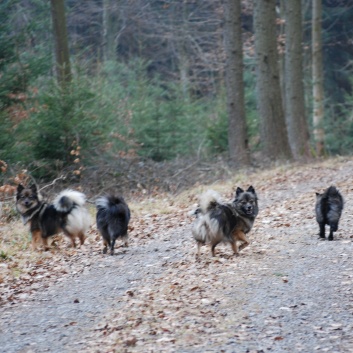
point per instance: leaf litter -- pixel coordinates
(287, 289)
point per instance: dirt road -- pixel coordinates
(287, 292)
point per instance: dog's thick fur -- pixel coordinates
(328, 208)
(225, 222)
(113, 217)
(67, 214)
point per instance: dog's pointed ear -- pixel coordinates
(20, 187)
(251, 189)
(33, 187)
(238, 191)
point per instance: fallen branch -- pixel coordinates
(184, 169)
(62, 177)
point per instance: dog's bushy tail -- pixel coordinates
(113, 206)
(68, 199)
(72, 203)
(204, 227)
(208, 200)
(332, 192)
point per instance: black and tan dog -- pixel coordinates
(67, 214)
(225, 222)
(113, 216)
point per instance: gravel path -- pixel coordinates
(298, 301)
(62, 317)
(287, 292)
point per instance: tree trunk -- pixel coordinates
(318, 89)
(184, 65)
(297, 126)
(63, 68)
(110, 30)
(269, 100)
(237, 134)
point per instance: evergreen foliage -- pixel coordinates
(19, 66)
(118, 113)
(137, 105)
(60, 122)
(147, 116)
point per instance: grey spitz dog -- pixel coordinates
(328, 208)
(225, 222)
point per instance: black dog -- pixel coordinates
(113, 216)
(329, 206)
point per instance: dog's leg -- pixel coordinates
(213, 246)
(36, 239)
(244, 239)
(72, 238)
(105, 244)
(198, 249)
(112, 245)
(322, 230)
(235, 248)
(236, 236)
(82, 238)
(333, 228)
(45, 244)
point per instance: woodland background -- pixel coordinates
(156, 99)
(136, 94)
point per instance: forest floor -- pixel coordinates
(287, 292)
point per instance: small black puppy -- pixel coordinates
(113, 216)
(329, 206)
